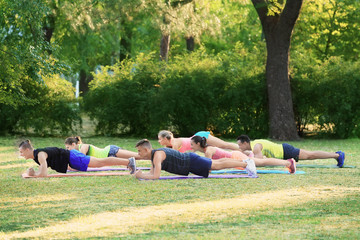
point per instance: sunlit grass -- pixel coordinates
(323, 203)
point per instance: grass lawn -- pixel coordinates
(321, 204)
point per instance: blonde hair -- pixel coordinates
(165, 134)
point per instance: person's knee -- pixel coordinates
(215, 166)
(304, 155)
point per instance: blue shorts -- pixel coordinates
(78, 160)
(203, 134)
(113, 150)
(291, 152)
(200, 165)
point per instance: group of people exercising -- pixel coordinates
(177, 155)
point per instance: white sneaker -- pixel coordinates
(250, 168)
(132, 165)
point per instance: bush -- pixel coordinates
(47, 108)
(327, 94)
(191, 93)
(121, 96)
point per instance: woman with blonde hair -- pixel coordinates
(167, 139)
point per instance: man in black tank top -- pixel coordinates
(175, 162)
(60, 159)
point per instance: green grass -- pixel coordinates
(28, 205)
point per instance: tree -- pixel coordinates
(278, 21)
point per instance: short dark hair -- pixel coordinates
(243, 138)
(144, 143)
(26, 144)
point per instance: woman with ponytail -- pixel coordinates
(91, 150)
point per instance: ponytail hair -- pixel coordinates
(201, 140)
(71, 140)
(26, 144)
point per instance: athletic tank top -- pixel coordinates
(175, 161)
(220, 153)
(270, 149)
(185, 145)
(58, 158)
(98, 152)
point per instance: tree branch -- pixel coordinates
(261, 8)
(289, 15)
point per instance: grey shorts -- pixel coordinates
(113, 150)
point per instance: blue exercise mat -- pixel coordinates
(321, 166)
(258, 171)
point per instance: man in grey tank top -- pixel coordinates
(179, 163)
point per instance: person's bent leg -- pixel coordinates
(109, 161)
(217, 142)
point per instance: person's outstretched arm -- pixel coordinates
(42, 156)
(155, 169)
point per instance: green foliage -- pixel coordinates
(326, 95)
(120, 96)
(51, 108)
(191, 93)
(329, 28)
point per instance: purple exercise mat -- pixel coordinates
(196, 177)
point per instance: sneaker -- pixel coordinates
(250, 168)
(292, 167)
(132, 165)
(340, 159)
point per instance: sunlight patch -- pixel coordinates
(144, 219)
(28, 164)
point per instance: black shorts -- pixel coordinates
(200, 165)
(291, 152)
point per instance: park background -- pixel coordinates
(186, 66)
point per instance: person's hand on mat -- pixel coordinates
(31, 172)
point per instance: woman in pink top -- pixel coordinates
(199, 144)
(166, 139)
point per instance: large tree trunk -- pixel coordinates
(277, 30)
(281, 114)
(164, 47)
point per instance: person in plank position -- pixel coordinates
(199, 144)
(59, 159)
(93, 151)
(167, 139)
(261, 148)
(179, 163)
